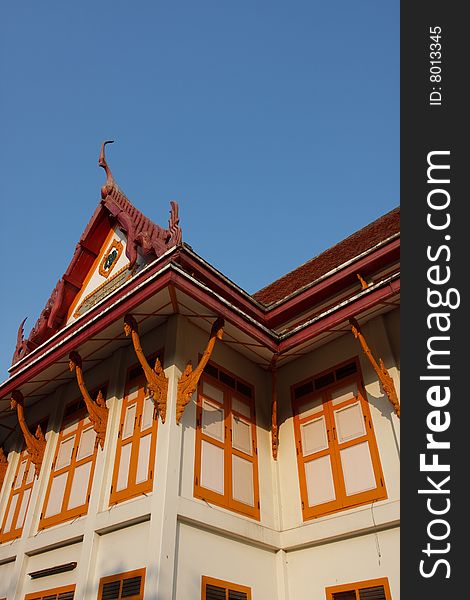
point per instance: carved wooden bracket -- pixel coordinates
(379, 368)
(189, 379)
(157, 382)
(364, 284)
(3, 466)
(274, 422)
(35, 444)
(97, 409)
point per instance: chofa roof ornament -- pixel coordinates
(107, 187)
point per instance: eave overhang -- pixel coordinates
(181, 268)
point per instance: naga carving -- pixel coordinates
(48, 324)
(157, 382)
(97, 409)
(35, 444)
(3, 466)
(189, 379)
(382, 373)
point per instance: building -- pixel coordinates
(166, 435)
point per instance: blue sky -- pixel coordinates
(275, 126)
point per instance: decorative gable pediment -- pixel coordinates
(117, 242)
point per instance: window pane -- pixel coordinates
(233, 595)
(241, 407)
(319, 477)
(212, 467)
(64, 456)
(87, 443)
(23, 508)
(79, 491)
(349, 422)
(344, 393)
(144, 458)
(20, 474)
(212, 420)
(147, 413)
(31, 472)
(241, 435)
(314, 437)
(56, 495)
(213, 392)
(11, 512)
(242, 480)
(357, 469)
(129, 421)
(312, 407)
(124, 463)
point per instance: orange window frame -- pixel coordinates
(135, 385)
(229, 587)
(74, 426)
(357, 586)
(226, 500)
(22, 487)
(342, 501)
(53, 594)
(121, 577)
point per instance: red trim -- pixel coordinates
(332, 285)
(340, 316)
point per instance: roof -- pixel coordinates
(351, 247)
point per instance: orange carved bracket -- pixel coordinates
(35, 444)
(382, 373)
(274, 419)
(189, 379)
(97, 409)
(3, 466)
(157, 382)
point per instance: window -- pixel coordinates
(215, 589)
(18, 501)
(69, 487)
(337, 455)
(226, 465)
(128, 585)
(63, 593)
(374, 589)
(135, 451)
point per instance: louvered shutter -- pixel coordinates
(131, 587)
(349, 595)
(111, 590)
(123, 587)
(372, 593)
(213, 592)
(233, 595)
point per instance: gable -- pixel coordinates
(110, 269)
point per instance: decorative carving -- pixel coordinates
(97, 409)
(35, 444)
(143, 236)
(364, 284)
(3, 466)
(189, 379)
(47, 325)
(110, 259)
(274, 422)
(382, 373)
(157, 382)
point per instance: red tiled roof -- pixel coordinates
(347, 249)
